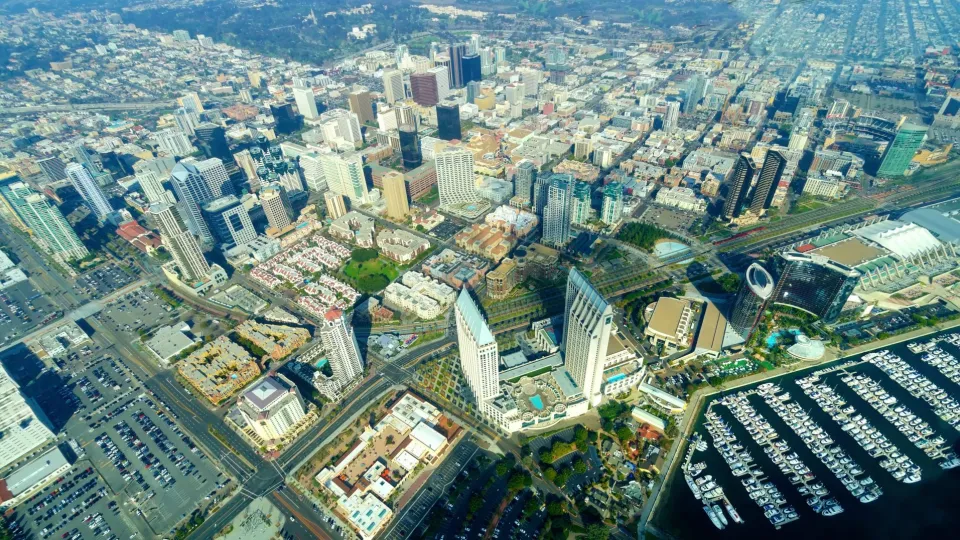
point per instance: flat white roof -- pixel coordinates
(429, 437)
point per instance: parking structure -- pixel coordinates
(103, 280)
(23, 308)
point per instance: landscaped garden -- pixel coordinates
(369, 272)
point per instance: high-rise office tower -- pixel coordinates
(900, 152)
(336, 208)
(271, 407)
(286, 120)
(229, 221)
(343, 351)
(249, 166)
(393, 86)
(473, 47)
(448, 120)
(213, 141)
(471, 68)
(174, 142)
(215, 175)
(456, 181)
(275, 206)
(306, 102)
(192, 191)
(23, 425)
(739, 184)
(767, 181)
(556, 213)
(456, 52)
(187, 121)
(541, 192)
(344, 175)
(423, 86)
(362, 105)
(85, 157)
(87, 187)
(695, 90)
(612, 209)
(479, 356)
(580, 203)
(443, 81)
(395, 191)
(757, 288)
(473, 90)
(524, 178)
(671, 116)
(406, 116)
(313, 175)
(152, 185)
(813, 283)
(47, 223)
(587, 322)
(191, 102)
(341, 125)
(514, 95)
(181, 245)
(53, 168)
(410, 147)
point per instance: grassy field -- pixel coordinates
(371, 276)
(806, 204)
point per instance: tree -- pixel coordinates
(624, 433)
(475, 504)
(503, 468)
(597, 532)
(555, 508)
(363, 254)
(529, 509)
(579, 466)
(550, 473)
(519, 480)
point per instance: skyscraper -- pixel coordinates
(739, 184)
(695, 89)
(313, 175)
(612, 209)
(456, 52)
(479, 356)
(813, 283)
(181, 245)
(395, 191)
(588, 320)
(362, 106)
(306, 102)
(671, 117)
(48, 225)
(471, 69)
(393, 86)
(271, 407)
(443, 81)
(174, 142)
(152, 185)
(423, 86)
(448, 120)
(192, 191)
(410, 147)
(53, 168)
(524, 178)
(215, 176)
(344, 175)
(341, 125)
(335, 206)
(580, 203)
(473, 90)
(556, 213)
(187, 121)
(756, 289)
(343, 352)
(87, 187)
(768, 179)
(286, 120)
(541, 192)
(275, 206)
(229, 221)
(22, 423)
(455, 176)
(900, 152)
(213, 141)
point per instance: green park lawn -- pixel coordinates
(372, 275)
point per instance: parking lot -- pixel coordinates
(446, 230)
(413, 514)
(136, 311)
(78, 505)
(668, 218)
(23, 308)
(147, 458)
(103, 280)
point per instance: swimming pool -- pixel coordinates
(617, 377)
(536, 402)
(774, 338)
(320, 363)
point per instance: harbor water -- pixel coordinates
(929, 508)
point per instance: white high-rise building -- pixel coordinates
(313, 174)
(386, 118)
(274, 206)
(152, 185)
(671, 117)
(341, 128)
(393, 86)
(22, 425)
(181, 244)
(88, 188)
(215, 175)
(514, 94)
(272, 407)
(588, 320)
(174, 142)
(443, 81)
(45, 220)
(558, 211)
(306, 102)
(344, 175)
(192, 191)
(343, 352)
(455, 177)
(479, 356)
(186, 120)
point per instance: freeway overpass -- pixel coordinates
(73, 107)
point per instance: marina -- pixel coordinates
(849, 447)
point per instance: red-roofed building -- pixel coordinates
(141, 238)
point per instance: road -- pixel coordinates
(69, 107)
